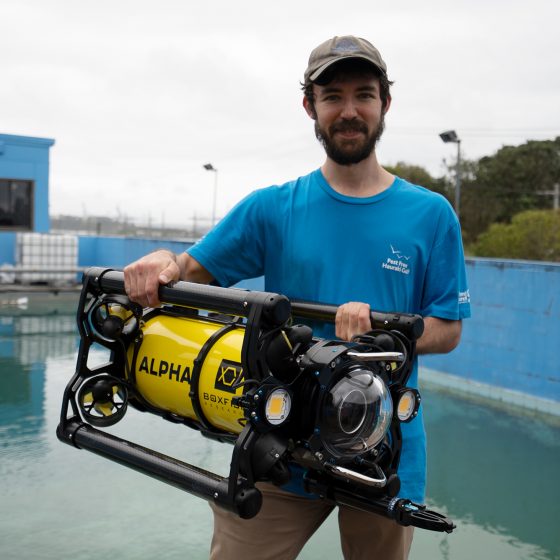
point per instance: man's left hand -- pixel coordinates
(352, 318)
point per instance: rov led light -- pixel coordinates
(278, 405)
(407, 407)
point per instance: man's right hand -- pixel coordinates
(352, 318)
(143, 277)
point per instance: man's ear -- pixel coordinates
(309, 108)
(387, 104)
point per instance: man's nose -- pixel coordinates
(348, 109)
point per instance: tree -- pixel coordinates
(532, 235)
(419, 176)
(507, 183)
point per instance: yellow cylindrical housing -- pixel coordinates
(165, 365)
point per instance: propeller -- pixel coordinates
(103, 400)
(112, 317)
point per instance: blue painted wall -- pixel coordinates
(116, 252)
(7, 248)
(512, 339)
(27, 158)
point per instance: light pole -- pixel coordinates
(451, 136)
(210, 167)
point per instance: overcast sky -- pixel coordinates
(138, 95)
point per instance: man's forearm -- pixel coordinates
(440, 336)
(191, 270)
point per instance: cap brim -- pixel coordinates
(313, 76)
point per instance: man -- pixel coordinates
(349, 233)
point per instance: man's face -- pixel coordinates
(348, 115)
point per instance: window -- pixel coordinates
(16, 204)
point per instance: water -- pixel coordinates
(494, 471)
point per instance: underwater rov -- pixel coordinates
(231, 364)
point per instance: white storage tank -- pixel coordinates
(46, 258)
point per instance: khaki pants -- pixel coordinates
(287, 521)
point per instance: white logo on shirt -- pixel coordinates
(464, 297)
(398, 254)
(397, 261)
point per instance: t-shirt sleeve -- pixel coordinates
(234, 249)
(446, 294)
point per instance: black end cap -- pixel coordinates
(248, 502)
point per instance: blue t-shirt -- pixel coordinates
(400, 250)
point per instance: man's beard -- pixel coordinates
(348, 152)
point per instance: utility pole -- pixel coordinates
(555, 195)
(458, 181)
(451, 136)
(210, 167)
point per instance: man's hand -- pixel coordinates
(440, 335)
(352, 318)
(143, 277)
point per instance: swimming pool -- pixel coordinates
(493, 470)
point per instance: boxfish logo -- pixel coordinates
(229, 374)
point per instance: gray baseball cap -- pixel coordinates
(340, 48)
